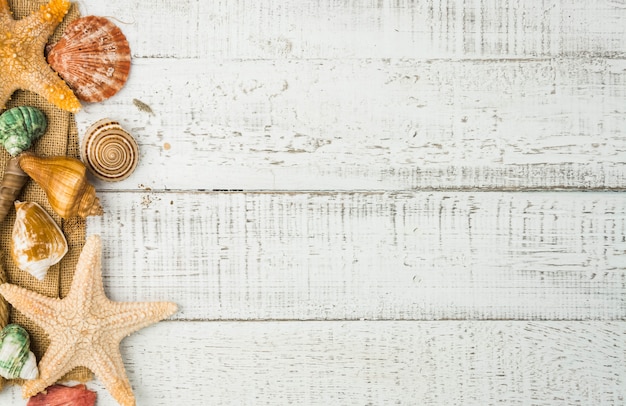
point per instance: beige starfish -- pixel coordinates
(85, 328)
(22, 61)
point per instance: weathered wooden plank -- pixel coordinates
(304, 29)
(374, 363)
(301, 125)
(329, 256)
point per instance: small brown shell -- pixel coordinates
(93, 57)
(109, 152)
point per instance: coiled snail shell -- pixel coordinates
(109, 152)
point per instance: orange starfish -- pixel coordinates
(22, 61)
(85, 328)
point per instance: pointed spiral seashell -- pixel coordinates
(93, 57)
(16, 359)
(37, 242)
(109, 152)
(64, 180)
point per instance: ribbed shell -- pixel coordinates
(109, 151)
(37, 242)
(64, 180)
(59, 395)
(20, 126)
(93, 57)
(16, 359)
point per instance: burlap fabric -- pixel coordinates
(61, 138)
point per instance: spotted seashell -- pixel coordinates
(109, 151)
(20, 126)
(93, 57)
(37, 242)
(16, 359)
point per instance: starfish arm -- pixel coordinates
(125, 318)
(56, 362)
(47, 18)
(6, 90)
(5, 12)
(106, 363)
(87, 280)
(39, 308)
(46, 82)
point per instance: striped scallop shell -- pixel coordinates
(93, 57)
(109, 152)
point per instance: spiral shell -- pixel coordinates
(37, 242)
(93, 57)
(109, 152)
(64, 180)
(20, 126)
(16, 359)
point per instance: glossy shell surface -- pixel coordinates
(37, 242)
(93, 57)
(109, 152)
(64, 180)
(16, 359)
(20, 127)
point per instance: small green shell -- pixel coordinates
(16, 359)
(20, 127)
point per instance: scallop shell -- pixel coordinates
(64, 180)
(16, 359)
(37, 242)
(60, 395)
(109, 151)
(20, 126)
(93, 57)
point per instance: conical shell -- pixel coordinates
(109, 151)
(16, 359)
(93, 57)
(12, 183)
(64, 180)
(20, 126)
(59, 395)
(37, 242)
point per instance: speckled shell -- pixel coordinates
(64, 180)
(20, 126)
(16, 359)
(59, 395)
(37, 242)
(93, 57)
(109, 151)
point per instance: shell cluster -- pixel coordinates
(93, 57)
(109, 151)
(16, 359)
(37, 242)
(64, 180)
(20, 126)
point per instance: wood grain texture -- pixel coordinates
(375, 363)
(413, 256)
(374, 125)
(305, 29)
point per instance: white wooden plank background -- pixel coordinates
(371, 202)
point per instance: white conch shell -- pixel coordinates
(37, 242)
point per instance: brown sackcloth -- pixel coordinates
(61, 138)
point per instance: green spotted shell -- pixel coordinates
(16, 359)
(20, 127)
